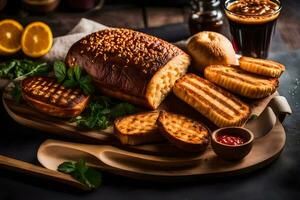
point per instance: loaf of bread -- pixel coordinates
(138, 128)
(185, 133)
(218, 105)
(130, 65)
(52, 98)
(241, 82)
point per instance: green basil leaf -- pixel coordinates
(67, 167)
(81, 172)
(70, 73)
(77, 72)
(122, 109)
(60, 71)
(93, 177)
(70, 83)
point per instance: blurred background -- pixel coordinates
(170, 19)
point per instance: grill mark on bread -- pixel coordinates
(216, 99)
(205, 101)
(183, 132)
(264, 63)
(238, 74)
(208, 92)
(241, 82)
(32, 87)
(231, 113)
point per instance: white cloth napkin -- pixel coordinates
(62, 44)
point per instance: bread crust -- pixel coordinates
(191, 136)
(51, 98)
(124, 63)
(241, 82)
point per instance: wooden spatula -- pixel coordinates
(27, 168)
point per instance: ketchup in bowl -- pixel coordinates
(230, 139)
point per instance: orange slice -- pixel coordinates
(37, 39)
(10, 36)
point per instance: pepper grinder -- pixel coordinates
(205, 15)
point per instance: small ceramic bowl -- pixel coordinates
(232, 152)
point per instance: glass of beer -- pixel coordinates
(252, 24)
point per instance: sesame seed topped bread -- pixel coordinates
(52, 98)
(213, 102)
(138, 128)
(241, 82)
(130, 65)
(185, 133)
(261, 66)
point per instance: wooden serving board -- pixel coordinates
(27, 116)
(265, 149)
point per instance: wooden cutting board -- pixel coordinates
(27, 116)
(265, 149)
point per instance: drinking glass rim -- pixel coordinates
(253, 15)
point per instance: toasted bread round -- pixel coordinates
(208, 48)
(241, 82)
(185, 133)
(52, 98)
(261, 66)
(139, 128)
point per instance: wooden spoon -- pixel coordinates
(53, 152)
(21, 166)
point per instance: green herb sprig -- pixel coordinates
(16, 93)
(102, 111)
(73, 77)
(21, 68)
(81, 172)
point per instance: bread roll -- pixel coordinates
(207, 48)
(130, 65)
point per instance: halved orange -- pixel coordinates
(37, 39)
(10, 36)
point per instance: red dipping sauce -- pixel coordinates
(230, 139)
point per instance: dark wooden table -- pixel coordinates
(280, 180)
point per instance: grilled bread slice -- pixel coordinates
(138, 128)
(241, 82)
(52, 98)
(261, 66)
(185, 133)
(218, 105)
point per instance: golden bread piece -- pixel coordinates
(138, 128)
(209, 48)
(216, 104)
(261, 66)
(185, 133)
(241, 82)
(52, 98)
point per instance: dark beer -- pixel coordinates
(252, 24)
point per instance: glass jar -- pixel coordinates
(206, 15)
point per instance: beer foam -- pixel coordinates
(252, 11)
